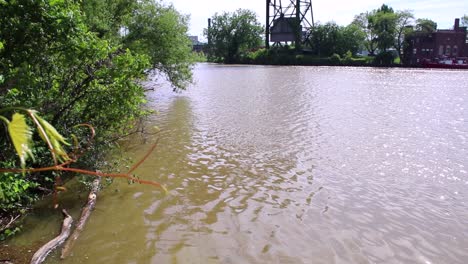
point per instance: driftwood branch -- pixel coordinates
(85, 213)
(42, 253)
(9, 224)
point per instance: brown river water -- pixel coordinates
(291, 165)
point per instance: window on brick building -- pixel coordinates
(448, 50)
(415, 51)
(441, 50)
(455, 50)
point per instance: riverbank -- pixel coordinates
(286, 57)
(91, 84)
(41, 223)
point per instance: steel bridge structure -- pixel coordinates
(288, 20)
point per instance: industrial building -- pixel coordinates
(441, 46)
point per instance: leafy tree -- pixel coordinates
(364, 22)
(353, 39)
(403, 28)
(325, 39)
(107, 17)
(384, 25)
(148, 27)
(233, 34)
(160, 32)
(54, 64)
(464, 20)
(425, 25)
(464, 23)
(51, 62)
(71, 61)
(329, 39)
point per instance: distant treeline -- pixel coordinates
(381, 34)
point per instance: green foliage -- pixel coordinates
(13, 187)
(146, 27)
(348, 58)
(233, 34)
(81, 62)
(161, 32)
(283, 56)
(384, 25)
(199, 57)
(325, 38)
(403, 29)
(259, 56)
(330, 38)
(352, 39)
(14, 191)
(335, 59)
(54, 64)
(385, 58)
(49, 134)
(64, 69)
(20, 135)
(364, 22)
(384, 28)
(9, 232)
(107, 17)
(464, 21)
(425, 25)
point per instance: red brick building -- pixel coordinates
(439, 45)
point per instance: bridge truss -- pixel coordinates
(288, 20)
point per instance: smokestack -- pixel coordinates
(209, 30)
(457, 24)
(267, 25)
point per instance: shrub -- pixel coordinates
(384, 58)
(335, 59)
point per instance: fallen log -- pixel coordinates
(42, 253)
(85, 213)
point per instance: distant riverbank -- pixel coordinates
(292, 57)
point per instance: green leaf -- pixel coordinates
(51, 131)
(2, 196)
(20, 134)
(55, 2)
(55, 138)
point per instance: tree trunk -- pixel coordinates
(42, 253)
(85, 213)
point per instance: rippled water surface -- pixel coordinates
(295, 165)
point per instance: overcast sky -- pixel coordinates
(340, 11)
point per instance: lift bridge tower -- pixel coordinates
(288, 20)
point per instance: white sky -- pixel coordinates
(342, 12)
